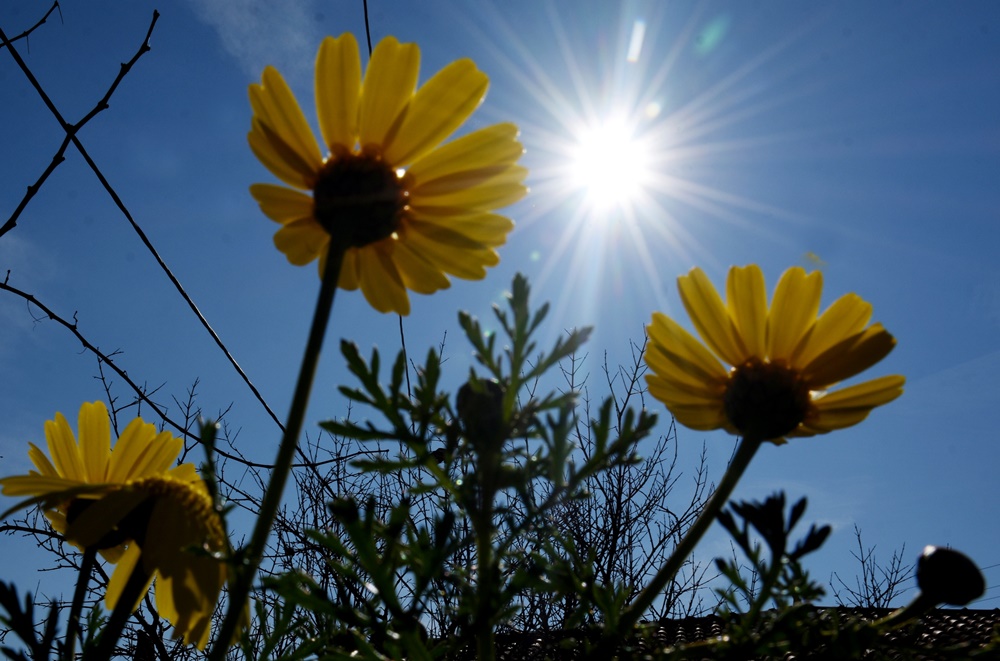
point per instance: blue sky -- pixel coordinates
(860, 138)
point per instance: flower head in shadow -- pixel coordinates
(782, 359)
(137, 508)
(405, 210)
(947, 576)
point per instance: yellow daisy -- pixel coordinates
(404, 210)
(782, 360)
(133, 504)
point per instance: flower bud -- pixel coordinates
(479, 404)
(949, 577)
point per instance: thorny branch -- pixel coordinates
(140, 392)
(24, 35)
(71, 131)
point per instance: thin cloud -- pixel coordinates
(261, 32)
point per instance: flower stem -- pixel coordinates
(73, 626)
(486, 582)
(137, 584)
(253, 553)
(920, 605)
(744, 453)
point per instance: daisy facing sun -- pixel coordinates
(784, 358)
(404, 210)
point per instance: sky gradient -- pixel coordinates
(857, 138)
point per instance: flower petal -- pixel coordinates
(438, 247)
(338, 90)
(793, 311)
(63, 449)
(710, 318)
(674, 393)
(348, 278)
(35, 485)
(165, 605)
(849, 406)
(168, 534)
(102, 516)
(278, 157)
(746, 302)
(161, 452)
(849, 357)
(381, 283)
(462, 161)
(131, 444)
(94, 429)
(440, 106)
(702, 417)
(302, 241)
(141, 452)
(417, 273)
(863, 395)
(677, 355)
(41, 462)
(847, 317)
(443, 233)
(275, 108)
(119, 579)
(486, 229)
(823, 422)
(803, 431)
(387, 89)
(282, 204)
(186, 473)
(499, 190)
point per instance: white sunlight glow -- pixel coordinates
(610, 163)
(630, 134)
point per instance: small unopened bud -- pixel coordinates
(949, 577)
(479, 404)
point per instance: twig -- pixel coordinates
(140, 392)
(71, 130)
(41, 21)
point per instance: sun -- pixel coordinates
(610, 162)
(638, 128)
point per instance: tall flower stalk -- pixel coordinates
(783, 358)
(391, 209)
(250, 557)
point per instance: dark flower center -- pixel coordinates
(358, 199)
(766, 400)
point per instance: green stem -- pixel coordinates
(254, 551)
(920, 605)
(137, 583)
(485, 646)
(744, 453)
(73, 626)
(764, 594)
(487, 579)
